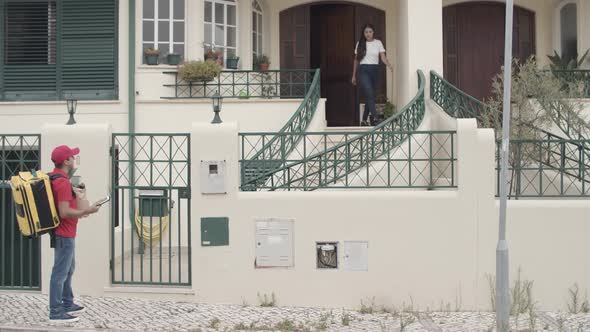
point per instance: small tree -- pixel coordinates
(538, 99)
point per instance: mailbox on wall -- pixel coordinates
(153, 203)
(213, 180)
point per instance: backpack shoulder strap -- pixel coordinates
(53, 176)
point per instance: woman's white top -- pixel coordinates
(374, 49)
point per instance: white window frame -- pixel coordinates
(259, 32)
(557, 24)
(225, 25)
(171, 20)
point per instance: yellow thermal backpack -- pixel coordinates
(36, 213)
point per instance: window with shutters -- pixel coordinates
(163, 26)
(30, 32)
(221, 28)
(58, 49)
(256, 28)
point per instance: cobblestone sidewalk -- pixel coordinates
(25, 312)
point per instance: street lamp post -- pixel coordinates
(217, 101)
(72, 103)
(502, 280)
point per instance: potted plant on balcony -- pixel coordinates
(263, 62)
(203, 71)
(173, 59)
(214, 54)
(559, 63)
(232, 62)
(151, 56)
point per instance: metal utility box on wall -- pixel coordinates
(274, 242)
(153, 203)
(326, 255)
(355, 255)
(213, 180)
(214, 232)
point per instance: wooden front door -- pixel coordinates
(324, 36)
(331, 42)
(474, 43)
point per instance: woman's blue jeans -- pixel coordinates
(368, 77)
(61, 296)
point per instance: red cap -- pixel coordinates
(63, 152)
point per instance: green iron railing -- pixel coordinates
(328, 167)
(272, 150)
(20, 264)
(576, 76)
(246, 84)
(156, 249)
(549, 167)
(455, 102)
(382, 160)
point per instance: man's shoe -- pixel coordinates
(364, 123)
(63, 318)
(75, 309)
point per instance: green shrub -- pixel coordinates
(199, 70)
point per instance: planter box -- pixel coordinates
(152, 59)
(173, 59)
(232, 63)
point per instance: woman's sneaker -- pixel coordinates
(75, 309)
(63, 318)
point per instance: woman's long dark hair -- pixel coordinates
(361, 51)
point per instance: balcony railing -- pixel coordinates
(576, 76)
(245, 84)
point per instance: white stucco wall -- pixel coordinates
(420, 44)
(151, 116)
(435, 246)
(453, 239)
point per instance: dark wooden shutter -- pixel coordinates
(89, 49)
(294, 35)
(450, 45)
(58, 49)
(28, 50)
(524, 32)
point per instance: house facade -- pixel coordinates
(289, 188)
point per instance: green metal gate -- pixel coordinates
(20, 264)
(150, 222)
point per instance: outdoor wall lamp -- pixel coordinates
(72, 103)
(217, 101)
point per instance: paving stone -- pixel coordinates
(25, 312)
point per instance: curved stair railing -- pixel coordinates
(273, 153)
(328, 167)
(455, 102)
(555, 152)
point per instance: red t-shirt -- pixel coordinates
(62, 192)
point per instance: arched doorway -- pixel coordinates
(323, 35)
(473, 38)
